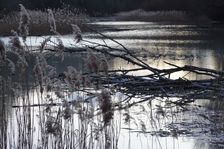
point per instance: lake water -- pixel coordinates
(180, 44)
(183, 44)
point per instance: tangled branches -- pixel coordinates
(156, 82)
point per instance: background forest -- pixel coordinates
(211, 8)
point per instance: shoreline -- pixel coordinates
(39, 25)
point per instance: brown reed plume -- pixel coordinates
(24, 22)
(106, 106)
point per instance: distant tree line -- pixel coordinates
(103, 6)
(212, 8)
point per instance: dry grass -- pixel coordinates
(39, 21)
(53, 112)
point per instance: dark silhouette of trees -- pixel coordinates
(211, 8)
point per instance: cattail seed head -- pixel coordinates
(106, 106)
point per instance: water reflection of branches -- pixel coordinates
(93, 106)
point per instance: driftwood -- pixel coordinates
(157, 82)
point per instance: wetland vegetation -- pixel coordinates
(110, 84)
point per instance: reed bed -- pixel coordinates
(81, 108)
(39, 21)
